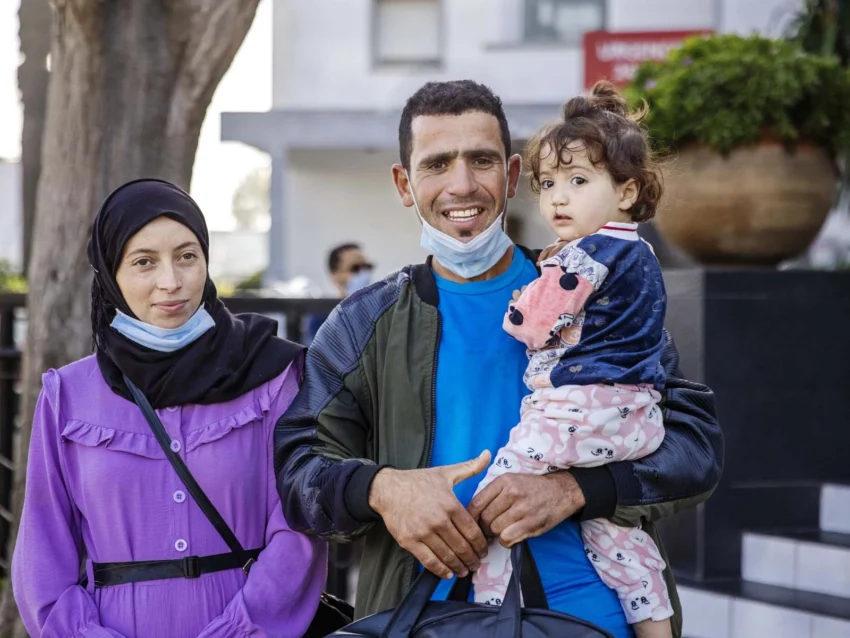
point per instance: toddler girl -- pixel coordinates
(593, 325)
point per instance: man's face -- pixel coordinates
(457, 172)
(351, 262)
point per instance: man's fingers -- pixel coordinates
(461, 549)
(430, 561)
(462, 471)
(501, 513)
(445, 553)
(473, 535)
(518, 532)
(481, 500)
(496, 504)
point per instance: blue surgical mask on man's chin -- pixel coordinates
(466, 259)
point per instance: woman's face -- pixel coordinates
(162, 273)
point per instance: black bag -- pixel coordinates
(420, 617)
(332, 613)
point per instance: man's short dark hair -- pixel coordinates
(335, 256)
(449, 98)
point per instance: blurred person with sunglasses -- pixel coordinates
(349, 271)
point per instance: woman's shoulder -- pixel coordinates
(78, 386)
(278, 390)
(82, 372)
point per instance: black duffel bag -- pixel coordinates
(419, 617)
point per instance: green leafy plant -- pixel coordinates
(728, 91)
(10, 280)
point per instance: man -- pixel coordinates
(413, 377)
(349, 271)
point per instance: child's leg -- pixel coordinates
(491, 580)
(628, 561)
(600, 424)
(580, 426)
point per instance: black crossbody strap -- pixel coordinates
(186, 477)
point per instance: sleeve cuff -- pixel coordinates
(600, 492)
(356, 495)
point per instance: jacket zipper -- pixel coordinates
(434, 391)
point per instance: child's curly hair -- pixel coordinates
(603, 123)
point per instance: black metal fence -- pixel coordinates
(291, 312)
(10, 366)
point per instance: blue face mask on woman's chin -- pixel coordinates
(466, 259)
(163, 339)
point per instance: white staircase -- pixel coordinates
(793, 585)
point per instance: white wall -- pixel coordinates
(322, 48)
(237, 254)
(769, 17)
(653, 15)
(323, 57)
(11, 229)
(337, 196)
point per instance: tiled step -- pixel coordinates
(810, 561)
(741, 609)
(835, 508)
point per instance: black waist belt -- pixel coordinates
(106, 574)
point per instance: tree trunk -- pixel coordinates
(129, 87)
(34, 18)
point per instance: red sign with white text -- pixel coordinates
(616, 56)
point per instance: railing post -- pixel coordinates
(9, 358)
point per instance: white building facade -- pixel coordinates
(344, 68)
(11, 215)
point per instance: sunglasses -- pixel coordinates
(356, 268)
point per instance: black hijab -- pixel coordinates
(241, 353)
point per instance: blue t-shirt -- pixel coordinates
(479, 391)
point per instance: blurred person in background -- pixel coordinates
(349, 271)
(100, 490)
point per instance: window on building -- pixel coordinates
(407, 31)
(563, 21)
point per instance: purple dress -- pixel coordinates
(99, 487)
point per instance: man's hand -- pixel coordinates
(519, 506)
(423, 514)
(550, 251)
(517, 294)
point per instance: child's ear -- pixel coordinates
(629, 192)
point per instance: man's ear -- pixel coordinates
(628, 194)
(514, 173)
(402, 184)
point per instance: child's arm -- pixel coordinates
(551, 302)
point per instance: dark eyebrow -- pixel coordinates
(445, 156)
(487, 153)
(472, 154)
(151, 251)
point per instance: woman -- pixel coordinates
(99, 486)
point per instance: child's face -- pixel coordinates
(578, 198)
